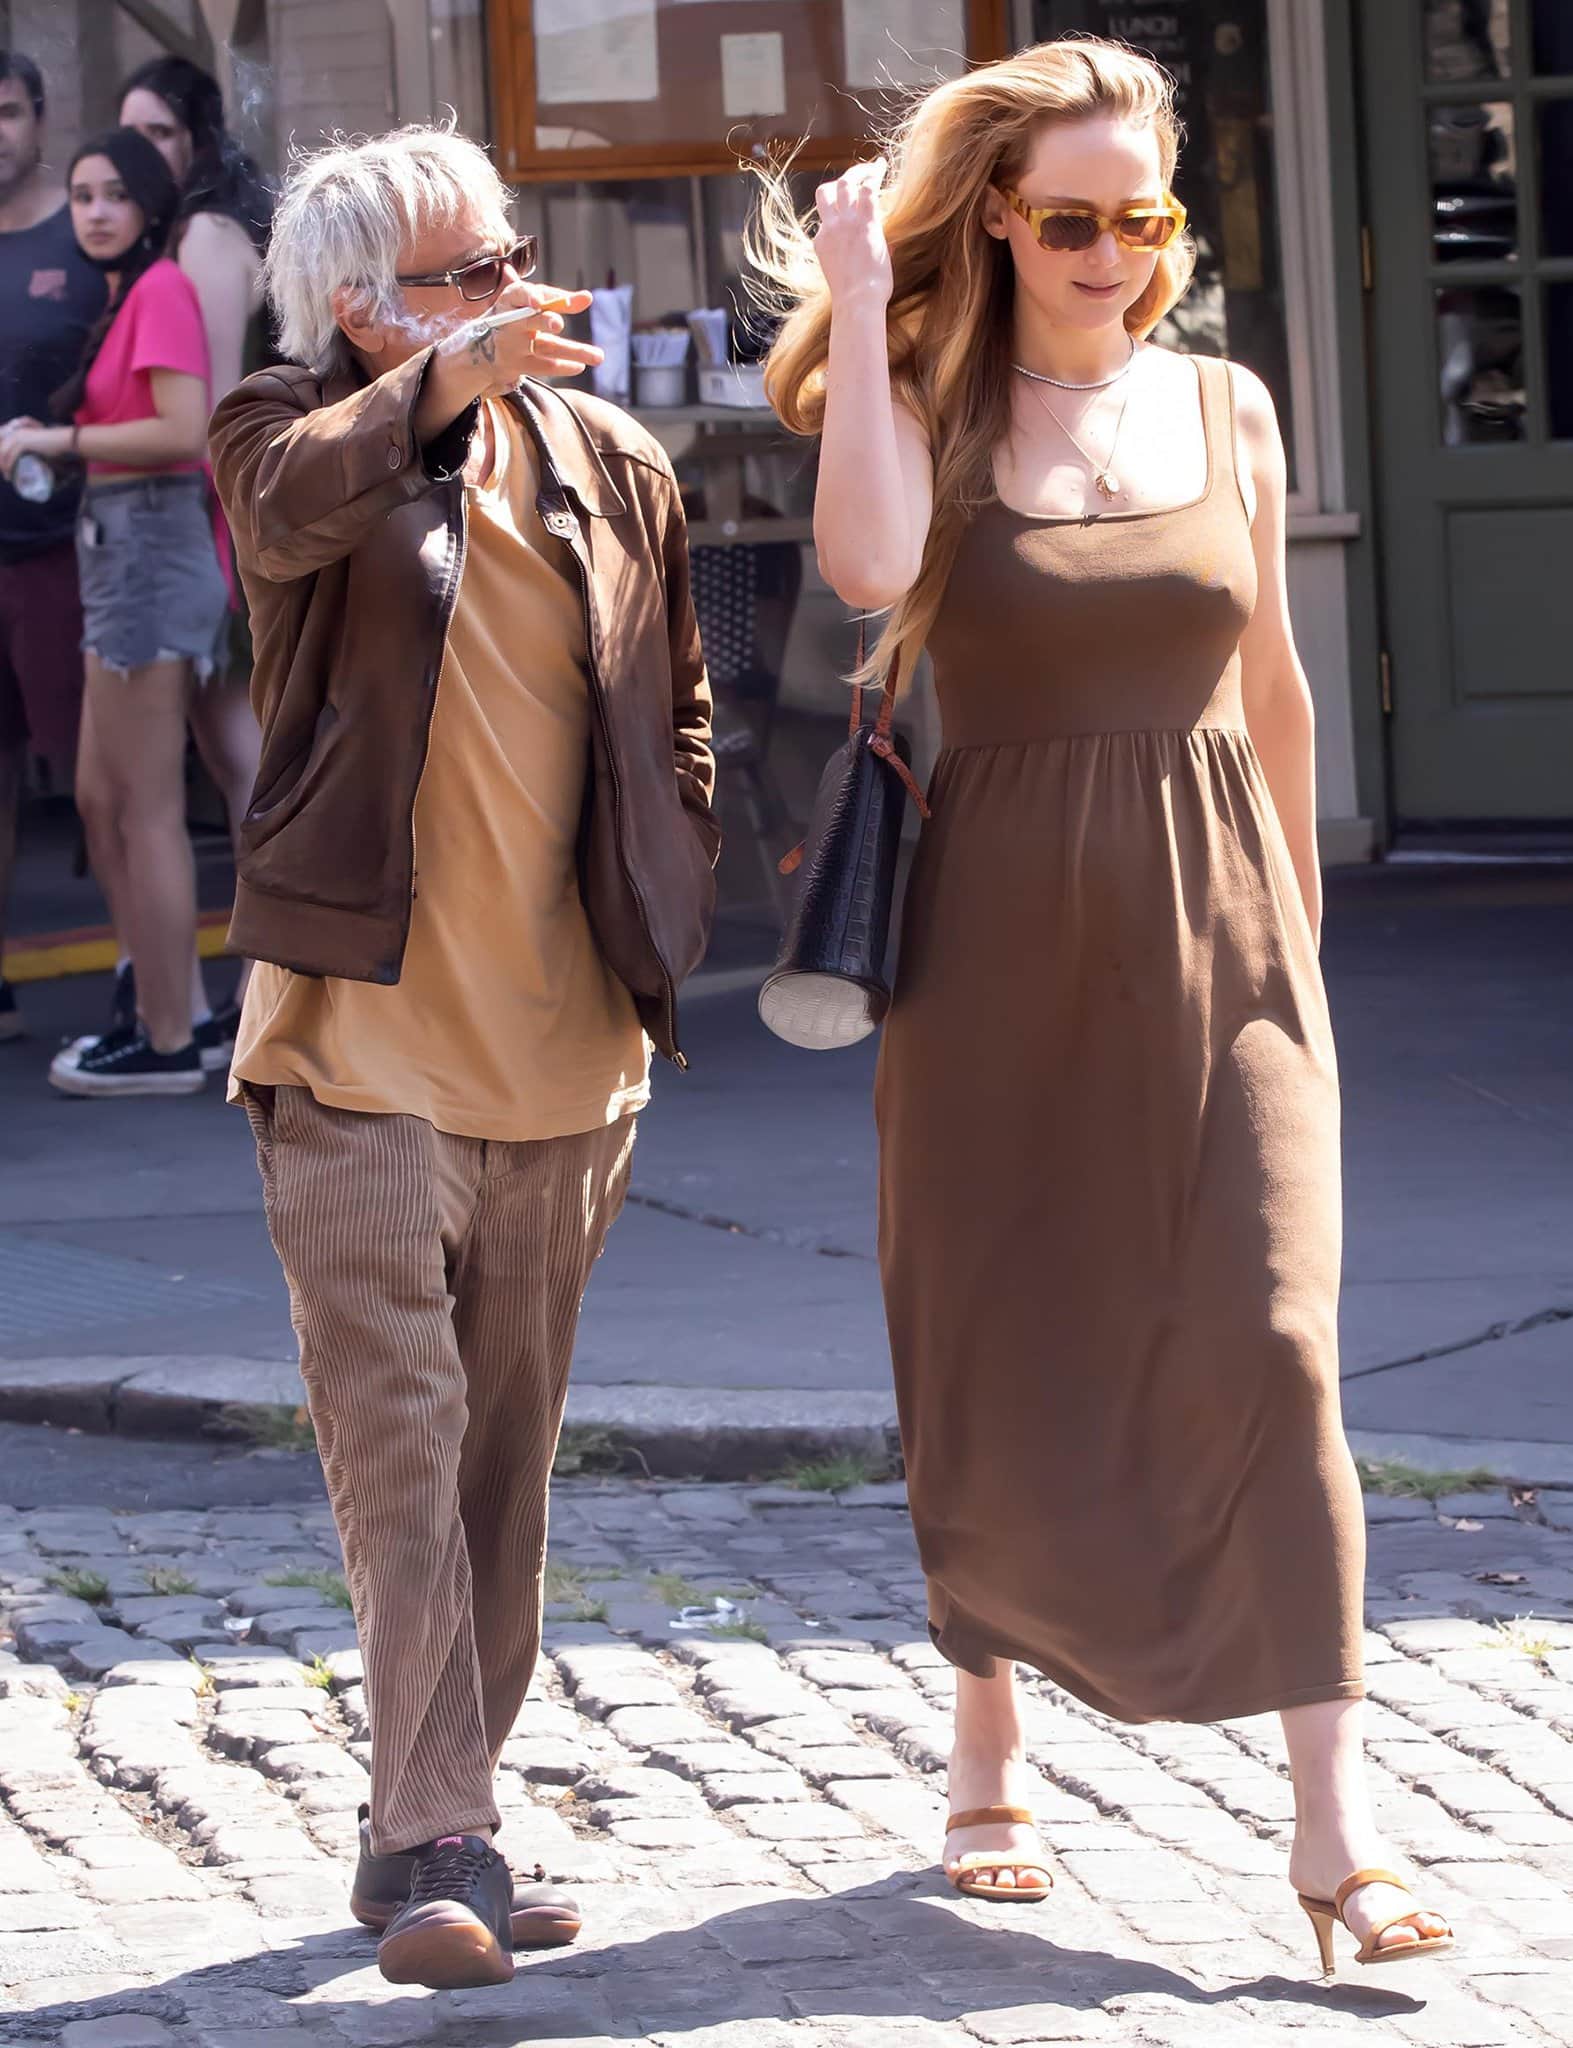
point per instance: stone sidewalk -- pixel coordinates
(747, 1797)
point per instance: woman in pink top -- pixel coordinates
(154, 599)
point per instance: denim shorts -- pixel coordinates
(152, 588)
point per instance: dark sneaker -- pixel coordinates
(69, 1057)
(215, 1037)
(122, 1017)
(544, 1915)
(128, 1065)
(453, 1930)
(11, 1025)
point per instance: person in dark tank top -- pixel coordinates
(49, 298)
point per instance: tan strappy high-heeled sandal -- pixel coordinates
(1323, 1913)
(961, 1873)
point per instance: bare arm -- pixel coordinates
(217, 255)
(1278, 709)
(875, 493)
(176, 432)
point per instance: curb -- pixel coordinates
(666, 1432)
(1509, 1458)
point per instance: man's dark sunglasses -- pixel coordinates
(484, 278)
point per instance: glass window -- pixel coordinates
(1559, 360)
(458, 63)
(645, 86)
(1219, 59)
(1466, 39)
(1474, 181)
(1556, 178)
(1551, 38)
(1480, 356)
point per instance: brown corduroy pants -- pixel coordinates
(434, 1287)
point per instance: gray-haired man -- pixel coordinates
(475, 870)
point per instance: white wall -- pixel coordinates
(1318, 603)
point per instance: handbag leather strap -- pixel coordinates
(880, 742)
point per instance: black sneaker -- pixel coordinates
(454, 1929)
(215, 1037)
(70, 1056)
(122, 1019)
(544, 1915)
(128, 1065)
(11, 1025)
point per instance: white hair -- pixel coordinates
(345, 213)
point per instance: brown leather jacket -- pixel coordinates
(350, 542)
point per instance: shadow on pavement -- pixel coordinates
(889, 1951)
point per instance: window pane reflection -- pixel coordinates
(1552, 38)
(1466, 39)
(1480, 350)
(1474, 182)
(1556, 178)
(1220, 58)
(1559, 360)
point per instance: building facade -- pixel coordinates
(1382, 194)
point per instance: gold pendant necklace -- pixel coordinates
(1104, 480)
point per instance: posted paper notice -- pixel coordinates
(753, 75)
(588, 52)
(903, 42)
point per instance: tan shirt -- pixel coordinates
(506, 1023)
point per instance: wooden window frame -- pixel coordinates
(512, 47)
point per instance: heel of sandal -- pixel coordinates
(1322, 1915)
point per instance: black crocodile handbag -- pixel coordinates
(828, 986)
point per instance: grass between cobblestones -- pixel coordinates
(677, 1591)
(1519, 1635)
(564, 1587)
(330, 1584)
(167, 1582)
(92, 1587)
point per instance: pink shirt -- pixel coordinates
(158, 328)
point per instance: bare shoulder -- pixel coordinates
(210, 235)
(1254, 408)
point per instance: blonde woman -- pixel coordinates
(1107, 1097)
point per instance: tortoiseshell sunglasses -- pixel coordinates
(484, 278)
(1067, 228)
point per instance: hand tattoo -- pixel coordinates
(483, 346)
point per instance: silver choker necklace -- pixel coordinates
(1059, 383)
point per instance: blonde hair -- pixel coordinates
(345, 213)
(948, 322)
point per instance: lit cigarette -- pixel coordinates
(555, 304)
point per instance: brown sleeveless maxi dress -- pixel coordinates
(1109, 1164)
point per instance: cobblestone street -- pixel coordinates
(749, 1807)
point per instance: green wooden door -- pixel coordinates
(1468, 123)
